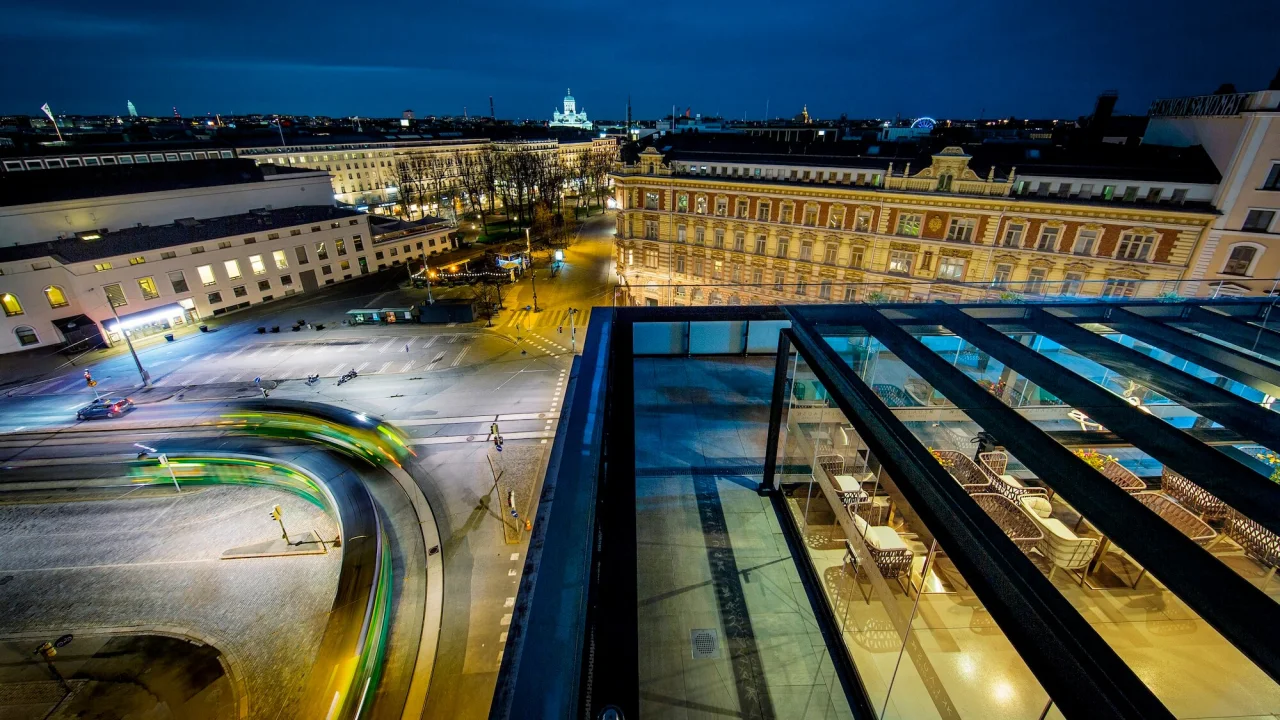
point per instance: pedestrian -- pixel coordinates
(406, 347)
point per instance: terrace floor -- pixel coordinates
(711, 554)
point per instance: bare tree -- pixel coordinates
(601, 164)
(471, 180)
(516, 171)
(408, 194)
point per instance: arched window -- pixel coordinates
(1241, 259)
(56, 297)
(10, 303)
(944, 182)
(26, 336)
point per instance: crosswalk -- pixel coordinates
(546, 319)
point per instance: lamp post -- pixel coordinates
(426, 270)
(146, 377)
(164, 462)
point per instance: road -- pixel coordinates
(444, 393)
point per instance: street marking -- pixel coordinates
(361, 366)
(386, 345)
(185, 359)
(515, 557)
(460, 356)
(407, 367)
(384, 367)
(502, 638)
(437, 359)
(235, 377)
(509, 602)
(431, 342)
(511, 573)
(336, 368)
(210, 380)
(412, 340)
(451, 439)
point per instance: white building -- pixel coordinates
(243, 237)
(570, 117)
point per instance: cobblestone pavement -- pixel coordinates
(152, 561)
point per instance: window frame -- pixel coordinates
(1258, 250)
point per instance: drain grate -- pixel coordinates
(705, 642)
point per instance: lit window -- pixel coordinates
(102, 266)
(282, 262)
(909, 224)
(257, 265)
(11, 305)
(137, 260)
(56, 297)
(233, 269)
(900, 261)
(148, 287)
(206, 275)
(951, 268)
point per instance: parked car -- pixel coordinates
(108, 407)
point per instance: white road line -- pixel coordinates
(386, 345)
(235, 377)
(407, 367)
(361, 366)
(431, 342)
(210, 380)
(437, 359)
(185, 359)
(412, 340)
(384, 367)
(336, 368)
(460, 356)
(453, 339)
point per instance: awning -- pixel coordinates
(145, 317)
(69, 324)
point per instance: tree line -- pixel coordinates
(530, 182)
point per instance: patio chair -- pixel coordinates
(1061, 547)
(994, 464)
(1120, 475)
(1192, 496)
(833, 464)
(965, 471)
(1012, 519)
(890, 554)
(1258, 543)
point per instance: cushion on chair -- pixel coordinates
(883, 537)
(861, 525)
(1037, 505)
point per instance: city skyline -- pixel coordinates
(1046, 63)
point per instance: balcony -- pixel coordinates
(792, 520)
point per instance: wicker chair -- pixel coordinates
(1258, 542)
(890, 554)
(1016, 524)
(1192, 496)
(894, 396)
(1181, 518)
(994, 465)
(833, 464)
(965, 471)
(1061, 547)
(1121, 476)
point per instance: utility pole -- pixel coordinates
(533, 274)
(146, 377)
(426, 270)
(164, 463)
(573, 331)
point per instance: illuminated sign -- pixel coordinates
(1199, 105)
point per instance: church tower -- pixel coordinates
(570, 106)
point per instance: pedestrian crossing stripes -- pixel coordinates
(547, 318)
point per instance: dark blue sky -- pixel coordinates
(914, 57)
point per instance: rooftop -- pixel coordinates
(1124, 162)
(135, 240)
(24, 188)
(779, 511)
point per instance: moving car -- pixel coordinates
(105, 407)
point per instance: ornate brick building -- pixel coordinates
(697, 227)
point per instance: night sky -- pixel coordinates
(867, 59)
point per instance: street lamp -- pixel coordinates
(146, 378)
